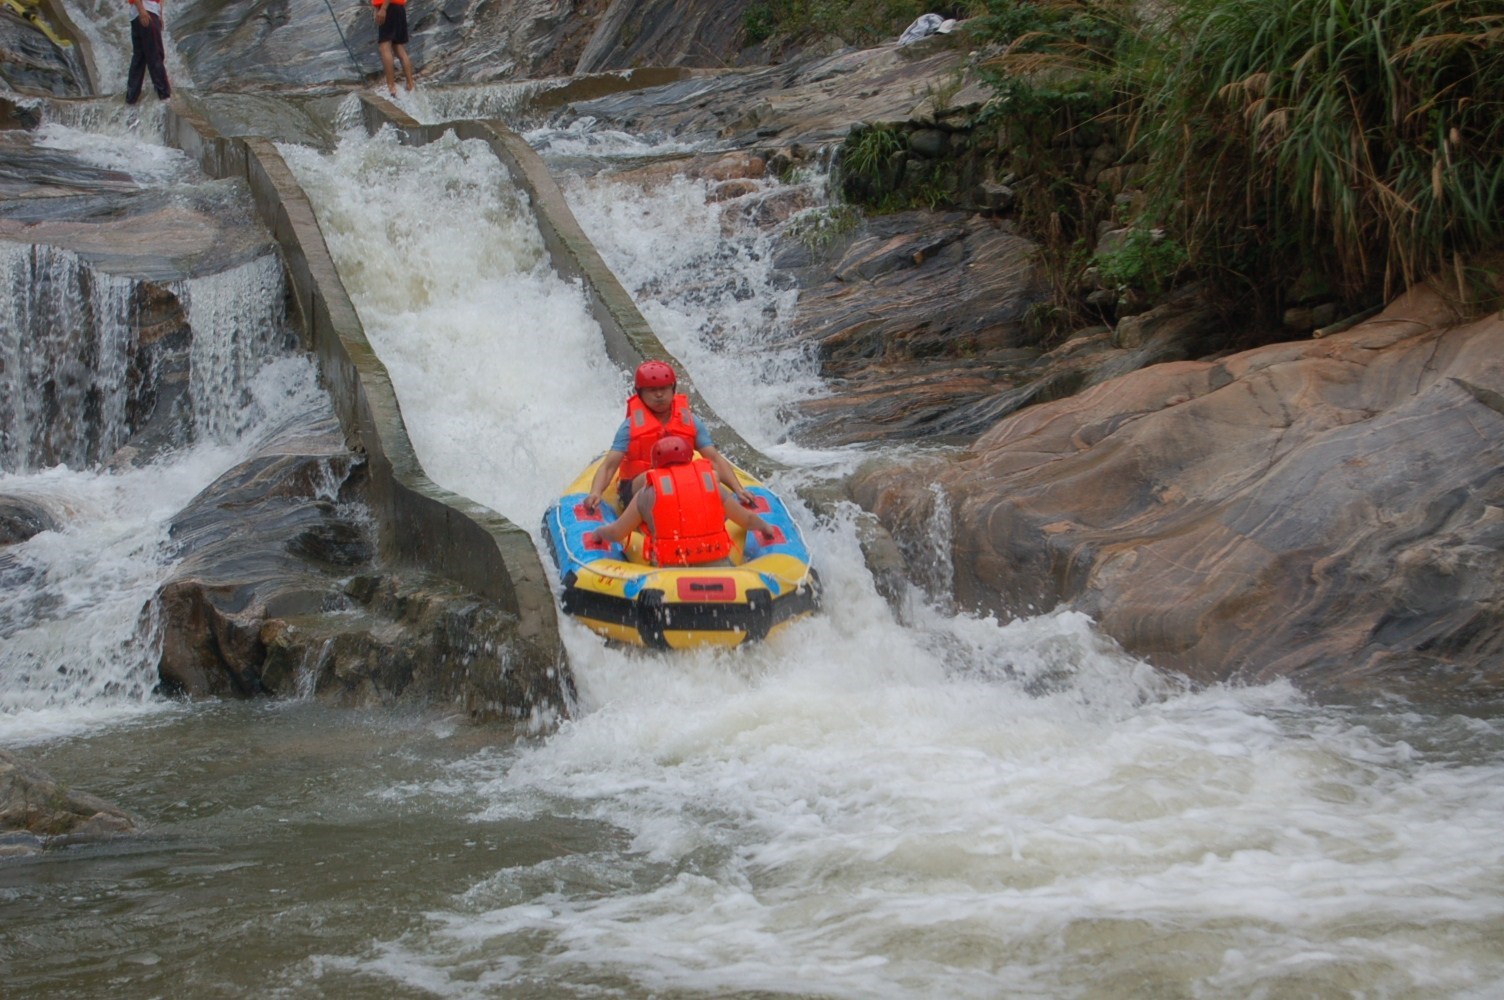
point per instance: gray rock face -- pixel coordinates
(915, 316)
(21, 518)
(811, 100)
(664, 33)
(278, 43)
(1329, 511)
(280, 592)
(31, 64)
(275, 42)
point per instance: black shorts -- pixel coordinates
(394, 28)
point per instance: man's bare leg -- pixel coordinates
(407, 65)
(386, 64)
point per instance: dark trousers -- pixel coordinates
(147, 55)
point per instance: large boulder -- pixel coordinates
(1327, 510)
(280, 591)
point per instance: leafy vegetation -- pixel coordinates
(1351, 146)
(1362, 140)
(868, 153)
(1145, 261)
(1354, 144)
(817, 228)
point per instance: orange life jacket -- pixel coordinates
(689, 519)
(644, 430)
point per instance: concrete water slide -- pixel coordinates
(420, 523)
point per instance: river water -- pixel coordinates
(875, 803)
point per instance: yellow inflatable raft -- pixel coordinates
(615, 592)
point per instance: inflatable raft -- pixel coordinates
(615, 592)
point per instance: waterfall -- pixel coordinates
(78, 381)
(65, 347)
(861, 807)
(237, 317)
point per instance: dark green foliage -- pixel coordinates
(758, 23)
(1056, 75)
(1360, 139)
(1357, 141)
(1147, 262)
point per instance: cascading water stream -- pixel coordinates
(944, 806)
(62, 396)
(74, 615)
(951, 806)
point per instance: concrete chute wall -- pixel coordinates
(419, 523)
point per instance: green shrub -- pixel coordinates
(1359, 139)
(818, 228)
(1056, 74)
(1147, 261)
(867, 151)
(758, 23)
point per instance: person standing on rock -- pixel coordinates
(148, 53)
(391, 41)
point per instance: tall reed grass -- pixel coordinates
(1361, 141)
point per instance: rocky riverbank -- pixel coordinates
(1093, 457)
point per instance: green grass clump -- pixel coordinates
(1360, 140)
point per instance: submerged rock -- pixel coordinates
(36, 812)
(1329, 511)
(21, 518)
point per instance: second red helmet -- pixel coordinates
(671, 450)
(655, 374)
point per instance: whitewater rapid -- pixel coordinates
(874, 803)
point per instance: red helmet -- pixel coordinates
(654, 375)
(671, 450)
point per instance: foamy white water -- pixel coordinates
(498, 358)
(945, 806)
(116, 137)
(77, 646)
(78, 639)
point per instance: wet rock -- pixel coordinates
(36, 812)
(271, 42)
(812, 100)
(281, 592)
(1329, 511)
(664, 33)
(22, 517)
(898, 365)
(15, 115)
(98, 385)
(930, 143)
(30, 62)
